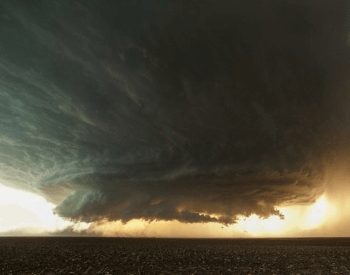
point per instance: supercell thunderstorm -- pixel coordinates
(165, 110)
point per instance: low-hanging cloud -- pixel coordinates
(181, 110)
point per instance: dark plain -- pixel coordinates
(93, 255)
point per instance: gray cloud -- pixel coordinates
(72, 232)
(185, 110)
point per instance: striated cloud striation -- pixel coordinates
(196, 110)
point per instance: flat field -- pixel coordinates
(90, 255)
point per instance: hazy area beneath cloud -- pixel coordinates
(196, 111)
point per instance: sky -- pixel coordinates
(193, 118)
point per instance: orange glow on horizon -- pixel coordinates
(255, 225)
(316, 214)
(298, 219)
(32, 215)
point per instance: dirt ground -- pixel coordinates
(74, 255)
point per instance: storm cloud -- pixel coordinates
(196, 110)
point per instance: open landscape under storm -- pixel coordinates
(184, 120)
(71, 255)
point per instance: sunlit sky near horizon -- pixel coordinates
(23, 213)
(27, 213)
(175, 118)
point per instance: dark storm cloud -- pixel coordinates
(168, 110)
